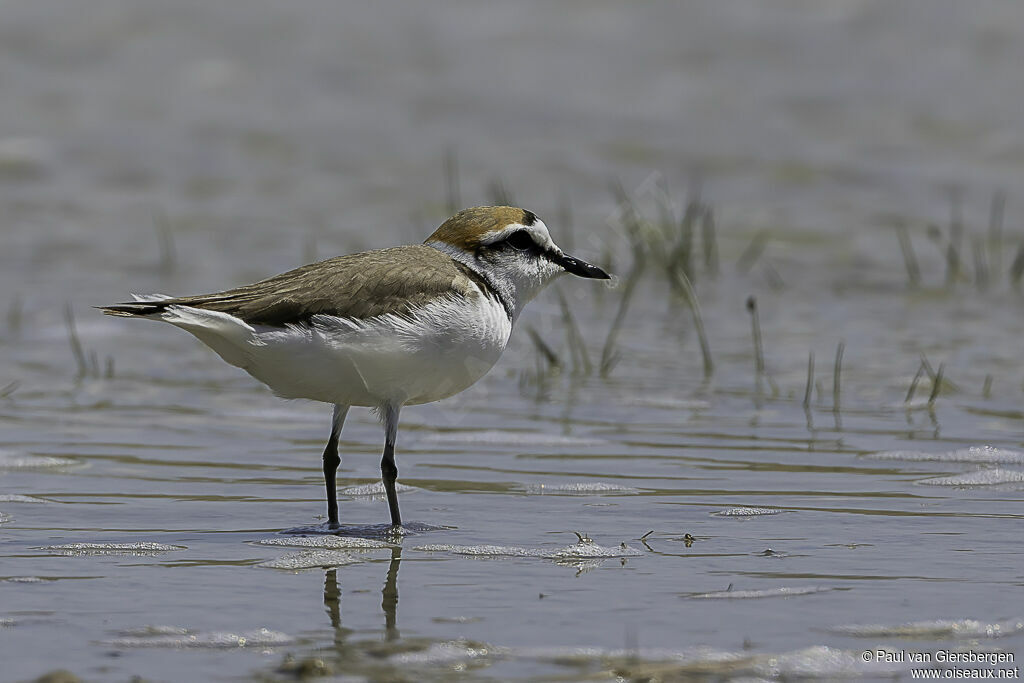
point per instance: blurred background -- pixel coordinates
(257, 128)
(853, 165)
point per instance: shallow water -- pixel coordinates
(159, 510)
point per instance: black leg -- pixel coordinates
(331, 462)
(388, 468)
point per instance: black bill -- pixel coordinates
(577, 267)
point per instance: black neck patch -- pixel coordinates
(486, 287)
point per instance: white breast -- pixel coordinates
(431, 354)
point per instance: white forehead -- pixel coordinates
(538, 231)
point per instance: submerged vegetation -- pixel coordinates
(672, 249)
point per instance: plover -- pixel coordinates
(384, 329)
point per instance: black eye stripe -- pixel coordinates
(520, 240)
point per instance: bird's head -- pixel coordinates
(509, 247)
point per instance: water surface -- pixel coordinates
(647, 523)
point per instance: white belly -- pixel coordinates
(440, 350)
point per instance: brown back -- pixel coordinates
(364, 285)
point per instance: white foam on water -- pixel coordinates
(581, 489)
(183, 638)
(975, 454)
(819, 661)
(816, 662)
(137, 548)
(25, 579)
(4, 517)
(16, 498)
(577, 551)
(481, 550)
(17, 461)
(374, 490)
(748, 512)
(311, 559)
(328, 542)
(782, 592)
(990, 477)
(938, 628)
(449, 652)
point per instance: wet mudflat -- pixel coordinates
(569, 517)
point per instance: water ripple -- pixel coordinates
(782, 592)
(990, 477)
(937, 628)
(165, 636)
(974, 454)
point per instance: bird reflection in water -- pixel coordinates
(388, 602)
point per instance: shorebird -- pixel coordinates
(383, 329)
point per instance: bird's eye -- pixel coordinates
(520, 240)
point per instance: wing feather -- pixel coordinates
(359, 286)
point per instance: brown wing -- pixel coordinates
(364, 285)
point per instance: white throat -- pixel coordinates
(515, 284)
